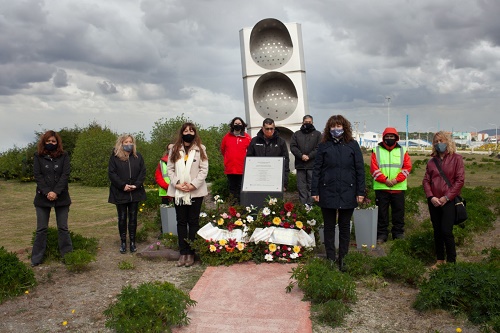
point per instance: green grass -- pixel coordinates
(90, 213)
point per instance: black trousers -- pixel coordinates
(42, 224)
(304, 177)
(344, 222)
(235, 185)
(188, 223)
(396, 201)
(443, 219)
(128, 210)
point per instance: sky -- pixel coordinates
(127, 64)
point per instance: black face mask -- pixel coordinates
(307, 128)
(188, 138)
(238, 127)
(390, 142)
(50, 147)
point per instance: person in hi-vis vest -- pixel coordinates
(390, 166)
(162, 179)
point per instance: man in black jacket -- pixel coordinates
(303, 146)
(267, 142)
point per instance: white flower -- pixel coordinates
(250, 219)
(273, 201)
(216, 198)
(294, 255)
(266, 211)
(268, 257)
(289, 214)
(312, 222)
(220, 201)
(203, 214)
(248, 209)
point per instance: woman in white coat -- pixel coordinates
(187, 169)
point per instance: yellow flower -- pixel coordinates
(143, 204)
(459, 329)
(27, 292)
(240, 246)
(64, 323)
(213, 248)
(272, 247)
(296, 249)
(364, 246)
(140, 209)
(171, 234)
(223, 242)
(299, 224)
(238, 222)
(73, 311)
(373, 246)
(220, 221)
(276, 221)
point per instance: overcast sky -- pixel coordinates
(128, 63)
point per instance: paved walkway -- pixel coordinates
(247, 298)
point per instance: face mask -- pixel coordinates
(238, 127)
(390, 142)
(307, 128)
(128, 148)
(336, 133)
(440, 147)
(188, 138)
(50, 146)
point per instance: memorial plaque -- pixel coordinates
(263, 174)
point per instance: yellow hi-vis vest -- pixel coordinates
(163, 165)
(390, 163)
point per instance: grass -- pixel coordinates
(90, 213)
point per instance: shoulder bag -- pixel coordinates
(460, 204)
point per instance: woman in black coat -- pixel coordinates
(338, 183)
(51, 169)
(126, 171)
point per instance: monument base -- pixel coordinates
(257, 199)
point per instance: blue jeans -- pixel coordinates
(42, 224)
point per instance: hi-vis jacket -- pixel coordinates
(390, 164)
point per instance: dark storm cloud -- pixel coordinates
(60, 78)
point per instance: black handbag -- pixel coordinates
(460, 203)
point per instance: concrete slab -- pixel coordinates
(248, 298)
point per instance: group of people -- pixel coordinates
(330, 173)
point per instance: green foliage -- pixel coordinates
(493, 257)
(419, 245)
(292, 183)
(151, 307)
(400, 267)
(125, 265)
(467, 288)
(331, 313)
(78, 260)
(358, 264)
(79, 243)
(212, 138)
(170, 241)
(412, 197)
(321, 282)
(17, 163)
(220, 187)
(90, 158)
(15, 276)
(216, 253)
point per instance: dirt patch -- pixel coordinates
(44, 309)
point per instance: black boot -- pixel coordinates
(131, 231)
(123, 247)
(342, 267)
(122, 227)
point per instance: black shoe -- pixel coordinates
(400, 236)
(123, 248)
(133, 248)
(341, 264)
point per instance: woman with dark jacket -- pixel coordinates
(51, 169)
(440, 197)
(338, 183)
(126, 171)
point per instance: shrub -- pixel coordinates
(358, 264)
(321, 282)
(79, 243)
(151, 307)
(78, 260)
(331, 313)
(125, 265)
(15, 276)
(400, 267)
(419, 245)
(468, 288)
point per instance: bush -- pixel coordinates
(331, 313)
(400, 267)
(419, 245)
(151, 307)
(358, 264)
(79, 243)
(468, 288)
(78, 260)
(15, 276)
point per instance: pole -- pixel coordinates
(388, 111)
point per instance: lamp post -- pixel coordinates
(496, 136)
(388, 111)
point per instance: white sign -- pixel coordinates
(263, 174)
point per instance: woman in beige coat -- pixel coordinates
(187, 169)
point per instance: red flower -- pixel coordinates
(232, 242)
(231, 226)
(288, 206)
(232, 211)
(286, 225)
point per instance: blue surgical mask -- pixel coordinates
(336, 133)
(128, 148)
(440, 147)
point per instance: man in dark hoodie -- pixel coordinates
(303, 146)
(267, 142)
(390, 166)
